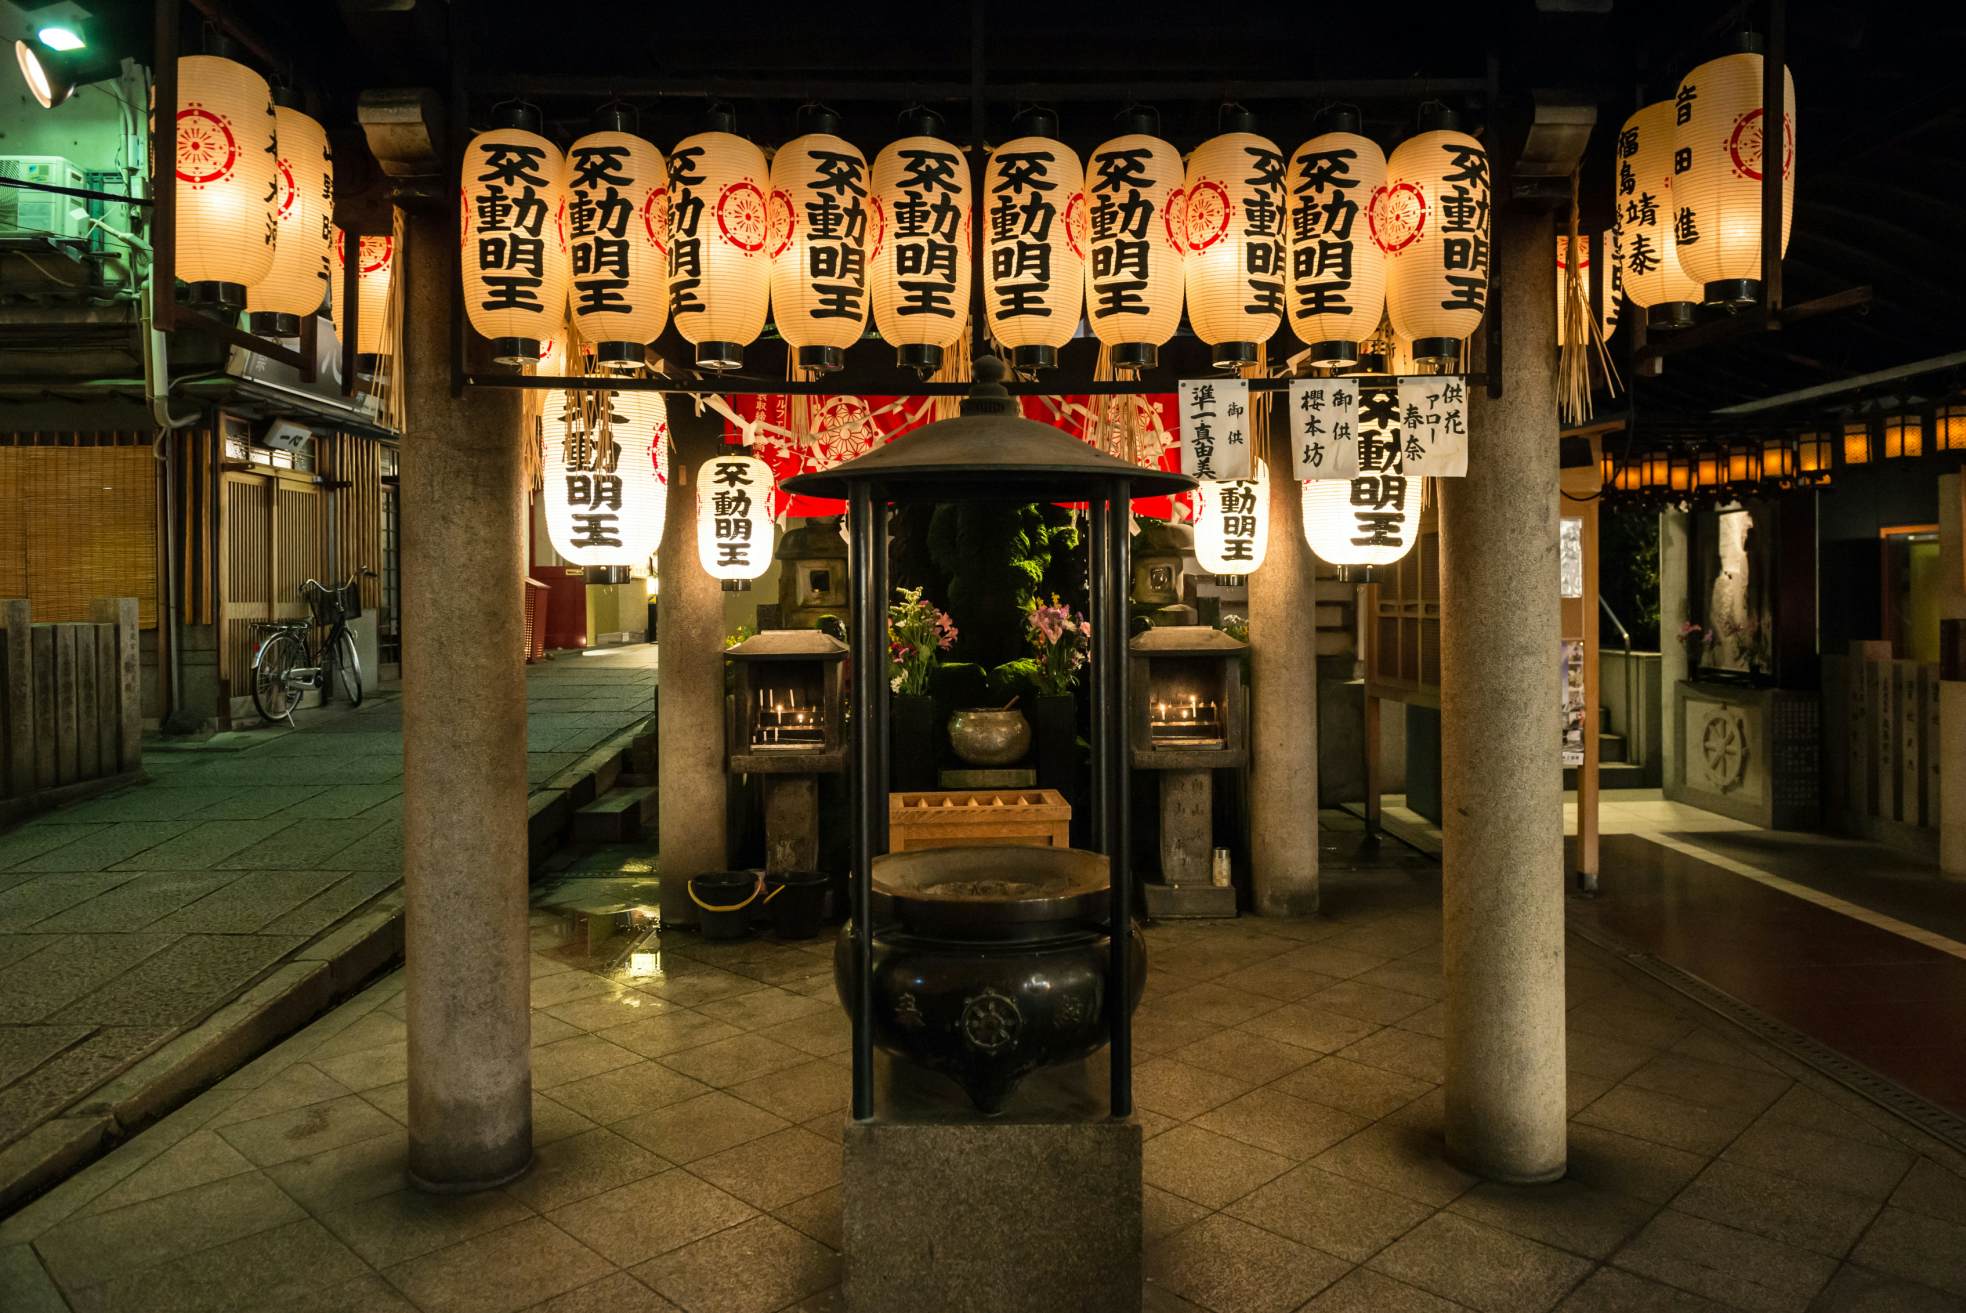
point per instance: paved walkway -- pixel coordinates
(128, 920)
(688, 1124)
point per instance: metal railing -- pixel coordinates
(1632, 709)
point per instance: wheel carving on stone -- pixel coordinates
(990, 1021)
(1724, 750)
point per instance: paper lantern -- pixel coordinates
(1815, 457)
(734, 532)
(920, 267)
(1369, 520)
(1903, 435)
(1597, 283)
(719, 228)
(1717, 154)
(515, 236)
(1648, 257)
(1431, 220)
(1679, 472)
(1337, 276)
(1856, 443)
(820, 205)
(1234, 198)
(604, 475)
(375, 273)
(1778, 460)
(1949, 428)
(297, 284)
(1034, 240)
(1232, 523)
(227, 162)
(617, 233)
(1133, 276)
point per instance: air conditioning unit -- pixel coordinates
(25, 213)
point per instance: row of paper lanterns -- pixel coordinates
(711, 238)
(255, 205)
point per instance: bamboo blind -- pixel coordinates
(78, 521)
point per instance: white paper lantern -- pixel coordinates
(920, 266)
(515, 237)
(617, 188)
(1034, 238)
(604, 475)
(1718, 146)
(1648, 257)
(227, 161)
(820, 209)
(719, 230)
(1133, 285)
(1232, 523)
(1369, 519)
(1604, 300)
(1337, 280)
(734, 530)
(1432, 221)
(1235, 266)
(297, 284)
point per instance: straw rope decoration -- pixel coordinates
(1583, 337)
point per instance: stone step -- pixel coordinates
(1611, 748)
(617, 816)
(1612, 775)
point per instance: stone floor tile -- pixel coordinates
(1309, 1027)
(1409, 976)
(635, 1222)
(1404, 1051)
(1274, 979)
(669, 1032)
(617, 1007)
(367, 1069)
(1481, 1267)
(1363, 1091)
(1155, 1298)
(1431, 1020)
(1932, 1190)
(1649, 1115)
(1340, 1216)
(817, 1216)
(1778, 1207)
(499, 1271)
(1406, 1160)
(248, 903)
(545, 1029)
(1344, 963)
(27, 1285)
(252, 804)
(619, 1293)
(335, 1178)
(764, 1007)
(572, 1059)
(365, 1294)
(1848, 1116)
(1626, 1164)
(340, 801)
(1581, 1090)
(34, 900)
(99, 848)
(1367, 1002)
(1223, 1264)
(1178, 1090)
(204, 845)
(697, 1127)
(1162, 1214)
(181, 983)
(566, 986)
(87, 1251)
(396, 1227)
(1270, 1119)
(1219, 1005)
(726, 1062)
(638, 1087)
(800, 1093)
(1916, 1247)
(1365, 1291)
(775, 1169)
(197, 1159)
(1159, 1028)
(1721, 1263)
(1601, 1055)
(696, 984)
(1649, 1026)
(823, 1035)
(1567, 1214)
(30, 841)
(1708, 1085)
(331, 904)
(1244, 1055)
(23, 1048)
(260, 1271)
(293, 1086)
(580, 1166)
(1206, 1168)
(1613, 1290)
(72, 1073)
(283, 1136)
(1850, 1166)
(302, 845)
(138, 904)
(830, 1127)
(758, 1266)
(371, 1031)
(67, 967)
(1858, 1290)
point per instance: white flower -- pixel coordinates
(895, 684)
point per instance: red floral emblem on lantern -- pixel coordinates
(656, 444)
(1078, 224)
(463, 219)
(206, 148)
(1175, 217)
(1205, 215)
(879, 225)
(1397, 216)
(376, 252)
(1745, 145)
(655, 217)
(741, 216)
(783, 221)
(286, 172)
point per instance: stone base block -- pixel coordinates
(1019, 1217)
(979, 778)
(1189, 901)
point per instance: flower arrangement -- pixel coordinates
(1236, 627)
(917, 630)
(1060, 639)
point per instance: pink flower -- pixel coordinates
(1049, 623)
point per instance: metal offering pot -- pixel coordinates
(989, 736)
(990, 962)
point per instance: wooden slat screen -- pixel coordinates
(196, 517)
(78, 521)
(344, 458)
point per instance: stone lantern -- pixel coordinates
(1158, 550)
(1187, 718)
(812, 574)
(788, 728)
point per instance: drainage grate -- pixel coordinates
(1881, 1090)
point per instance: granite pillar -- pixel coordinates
(1283, 738)
(464, 751)
(690, 690)
(1675, 609)
(1501, 775)
(1951, 747)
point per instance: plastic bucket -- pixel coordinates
(797, 902)
(723, 902)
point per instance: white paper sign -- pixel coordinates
(1433, 413)
(1324, 428)
(1215, 428)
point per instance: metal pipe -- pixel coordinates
(1118, 569)
(1097, 528)
(1402, 91)
(1774, 147)
(829, 387)
(83, 193)
(869, 662)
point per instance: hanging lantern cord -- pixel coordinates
(1227, 108)
(1133, 107)
(613, 102)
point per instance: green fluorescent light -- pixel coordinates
(60, 38)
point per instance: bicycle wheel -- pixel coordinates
(348, 667)
(272, 695)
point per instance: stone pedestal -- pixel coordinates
(997, 1217)
(1187, 853)
(791, 822)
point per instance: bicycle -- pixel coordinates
(287, 664)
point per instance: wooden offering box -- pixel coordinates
(959, 818)
(789, 704)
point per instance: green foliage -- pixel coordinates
(1015, 679)
(1628, 577)
(995, 557)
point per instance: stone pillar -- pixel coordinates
(1501, 775)
(1283, 738)
(464, 751)
(1951, 746)
(690, 687)
(1675, 609)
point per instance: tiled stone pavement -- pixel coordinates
(126, 919)
(688, 1126)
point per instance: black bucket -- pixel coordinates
(797, 902)
(723, 902)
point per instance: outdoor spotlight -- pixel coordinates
(50, 79)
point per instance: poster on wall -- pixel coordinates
(1324, 428)
(1570, 557)
(1215, 428)
(1573, 701)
